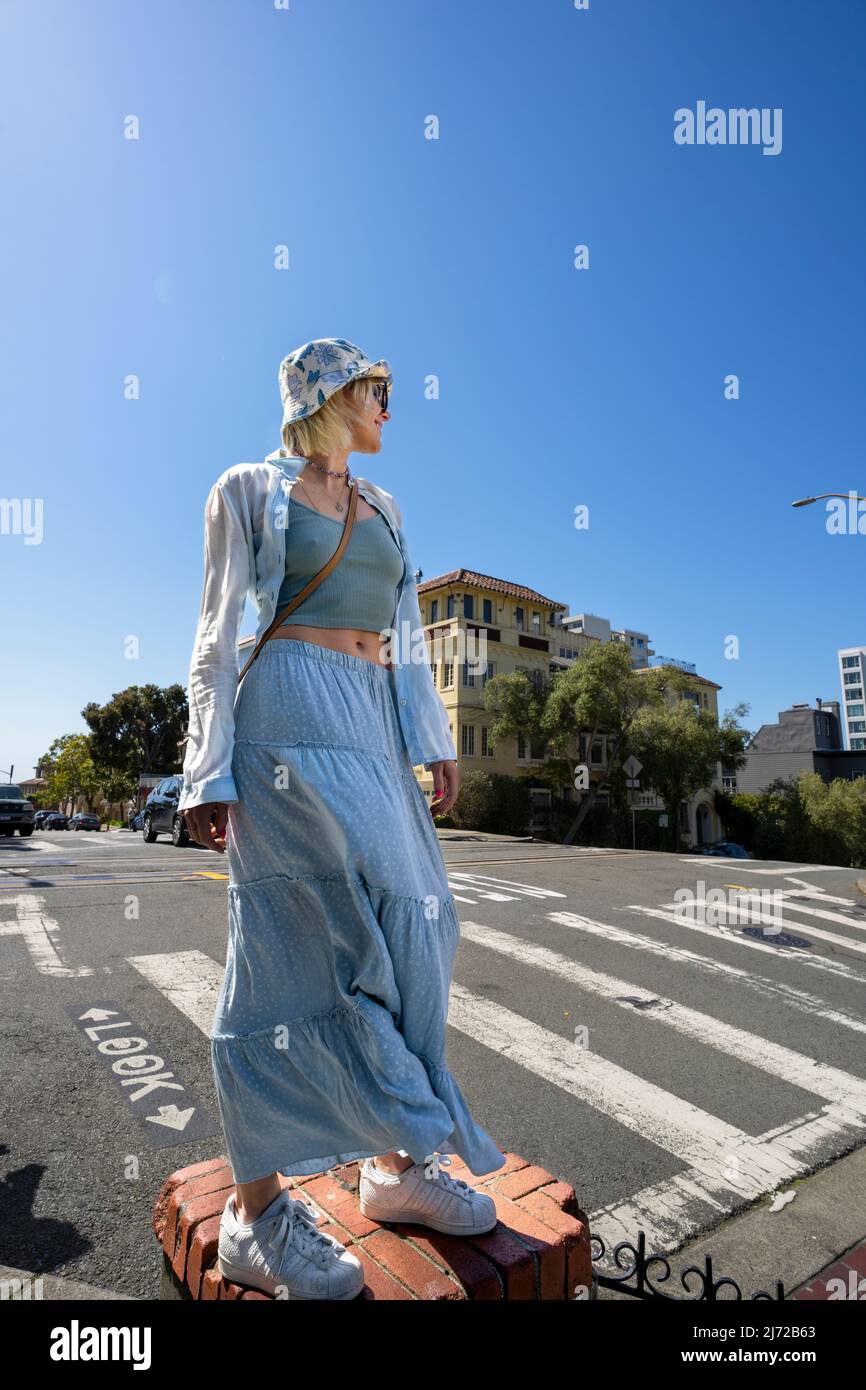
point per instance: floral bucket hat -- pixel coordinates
(312, 373)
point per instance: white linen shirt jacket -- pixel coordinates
(246, 522)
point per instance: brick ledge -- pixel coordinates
(539, 1248)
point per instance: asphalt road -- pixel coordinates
(673, 1057)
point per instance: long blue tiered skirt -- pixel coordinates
(328, 1041)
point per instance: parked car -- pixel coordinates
(161, 816)
(726, 850)
(84, 820)
(55, 820)
(16, 812)
(40, 817)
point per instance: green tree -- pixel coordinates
(837, 808)
(493, 802)
(138, 730)
(599, 693)
(679, 747)
(69, 768)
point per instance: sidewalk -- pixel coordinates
(818, 1237)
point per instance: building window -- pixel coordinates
(850, 661)
(684, 815)
(855, 709)
(857, 726)
(857, 743)
(450, 606)
(447, 674)
(518, 619)
(468, 676)
(640, 641)
(434, 669)
(468, 605)
(537, 748)
(521, 746)
(536, 624)
(852, 677)
(488, 674)
(487, 608)
(597, 755)
(434, 610)
(853, 694)
(486, 750)
(468, 743)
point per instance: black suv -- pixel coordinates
(161, 816)
(16, 812)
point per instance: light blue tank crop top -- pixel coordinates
(361, 592)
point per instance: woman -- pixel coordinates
(328, 1042)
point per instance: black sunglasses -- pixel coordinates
(380, 391)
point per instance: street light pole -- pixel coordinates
(807, 501)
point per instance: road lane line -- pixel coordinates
(484, 881)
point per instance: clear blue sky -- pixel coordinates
(260, 127)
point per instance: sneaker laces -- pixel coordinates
(433, 1172)
(296, 1219)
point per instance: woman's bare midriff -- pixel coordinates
(355, 641)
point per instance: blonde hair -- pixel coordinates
(330, 428)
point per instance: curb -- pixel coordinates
(799, 1243)
(539, 1249)
(23, 1285)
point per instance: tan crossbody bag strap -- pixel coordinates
(313, 583)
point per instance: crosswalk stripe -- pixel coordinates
(809, 890)
(751, 917)
(671, 1211)
(724, 1157)
(806, 959)
(40, 934)
(190, 980)
(830, 1083)
(681, 955)
(859, 923)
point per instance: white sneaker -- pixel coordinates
(427, 1196)
(284, 1255)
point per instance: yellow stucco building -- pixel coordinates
(478, 627)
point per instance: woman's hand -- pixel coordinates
(211, 834)
(446, 782)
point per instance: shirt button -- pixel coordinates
(402, 702)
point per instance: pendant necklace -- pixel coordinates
(345, 474)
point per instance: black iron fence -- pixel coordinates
(641, 1274)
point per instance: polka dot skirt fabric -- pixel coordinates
(328, 1041)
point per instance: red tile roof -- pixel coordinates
(486, 581)
(701, 680)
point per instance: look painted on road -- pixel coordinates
(169, 1112)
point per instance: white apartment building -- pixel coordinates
(852, 671)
